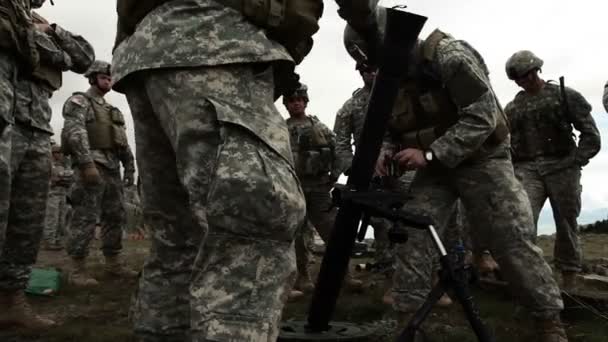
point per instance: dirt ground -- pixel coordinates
(102, 313)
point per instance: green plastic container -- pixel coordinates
(44, 282)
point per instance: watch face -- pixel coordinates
(428, 155)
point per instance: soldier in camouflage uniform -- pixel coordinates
(56, 207)
(546, 158)
(58, 50)
(461, 151)
(95, 134)
(605, 97)
(220, 193)
(318, 167)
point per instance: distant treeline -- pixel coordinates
(599, 227)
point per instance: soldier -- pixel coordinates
(318, 168)
(449, 126)
(95, 134)
(58, 50)
(546, 158)
(220, 194)
(56, 208)
(605, 97)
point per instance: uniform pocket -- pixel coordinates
(254, 192)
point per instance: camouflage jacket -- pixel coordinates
(227, 39)
(458, 66)
(77, 112)
(300, 132)
(349, 125)
(540, 127)
(61, 176)
(58, 49)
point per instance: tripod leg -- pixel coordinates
(409, 333)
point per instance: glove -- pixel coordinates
(90, 174)
(127, 179)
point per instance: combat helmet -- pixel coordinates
(521, 63)
(98, 67)
(302, 92)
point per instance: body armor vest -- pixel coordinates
(50, 76)
(314, 156)
(424, 109)
(108, 130)
(546, 131)
(17, 32)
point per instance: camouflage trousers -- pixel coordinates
(8, 74)
(318, 202)
(563, 189)
(499, 211)
(55, 222)
(29, 188)
(101, 202)
(222, 206)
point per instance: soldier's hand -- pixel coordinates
(90, 174)
(127, 180)
(381, 165)
(411, 159)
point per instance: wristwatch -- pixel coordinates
(428, 156)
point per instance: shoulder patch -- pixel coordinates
(79, 100)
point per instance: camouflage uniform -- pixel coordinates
(104, 201)
(548, 162)
(472, 164)
(56, 207)
(8, 76)
(316, 187)
(59, 51)
(348, 127)
(605, 97)
(220, 193)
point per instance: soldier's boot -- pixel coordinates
(80, 276)
(569, 280)
(303, 283)
(294, 295)
(16, 312)
(445, 300)
(486, 263)
(352, 283)
(387, 297)
(114, 267)
(551, 330)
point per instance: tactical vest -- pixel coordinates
(52, 77)
(424, 109)
(290, 22)
(17, 32)
(108, 130)
(551, 135)
(315, 152)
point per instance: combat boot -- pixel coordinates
(486, 263)
(303, 283)
(352, 283)
(551, 330)
(294, 295)
(114, 267)
(16, 312)
(79, 276)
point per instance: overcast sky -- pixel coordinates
(568, 36)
